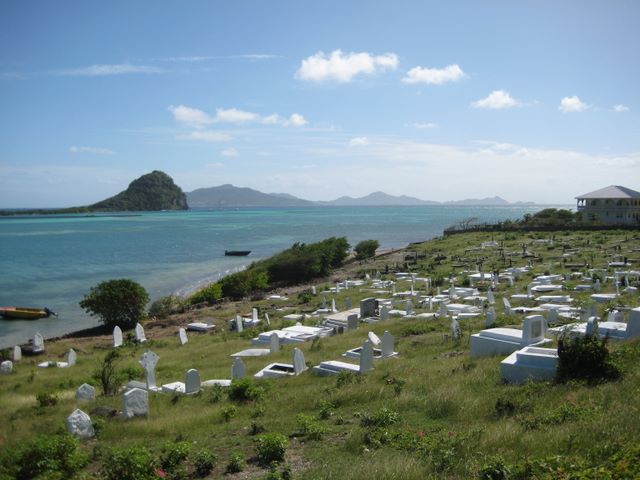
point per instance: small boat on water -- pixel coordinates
(237, 253)
(25, 313)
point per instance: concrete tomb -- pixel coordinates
(278, 370)
(503, 341)
(333, 367)
(79, 424)
(71, 361)
(200, 327)
(530, 363)
(274, 346)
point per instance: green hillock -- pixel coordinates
(153, 191)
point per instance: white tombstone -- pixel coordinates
(373, 338)
(552, 316)
(38, 343)
(507, 306)
(393, 289)
(592, 326)
(384, 313)
(149, 360)
(238, 369)
(140, 337)
(85, 392)
(71, 358)
(6, 367)
(274, 343)
(490, 298)
(17, 353)
(529, 292)
(299, 365)
(490, 317)
(337, 287)
(266, 318)
(430, 304)
(408, 307)
(366, 358)
(455, 329)
(388, 344)
(117, 337)
(533, 329)
(79, 424)
(597, 286)
(136, 403)
(182, 336)
(313, 290)
(593, 310)
(192, 382)
(239, 324)
(333, 305)
(352, 321)
(254, 315)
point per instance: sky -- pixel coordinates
(529, 100)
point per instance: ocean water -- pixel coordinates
(53, 260)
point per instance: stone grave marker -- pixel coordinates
(182, 336)
(455, 329)
(85, 392)
(266, 318)
(592, 326)
(239, 324)
(79, 424)
(373, 338)
(140, 337)
(366, 358)
(71, 357)
(17, 353)
(333, 305)
(192, 382)
(408, 307)
(490, 317)
(388, 344)
(490, 298)
(352, 321)
(149, 360)
(367, 307)
(298, 362)
(552, 316)
(38, 343)
(6, 367)
(274, 343)
(348, 304)
(117, 337)
(313, 290)
(238, 369)
(136, 403)
(254, 315)
(384, 313)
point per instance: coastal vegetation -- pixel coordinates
(366, 249)
(120, 302)
(430, 413)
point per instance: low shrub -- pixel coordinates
(245, 390)
(271, 447)
(203, 462)
(133, 463)
(173, 455)
(229, 412)
(165, 306)
(585, 358)
(236, 463)
(46, 399)
(382, 418)
(309, 427)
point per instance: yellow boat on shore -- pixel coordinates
(25, 313)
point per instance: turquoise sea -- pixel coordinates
(53, 260)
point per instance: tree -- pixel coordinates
(366, 249)
(117, 302)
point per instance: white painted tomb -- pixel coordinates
(200, 327)
(6, 367)
(530, 363)
(238, 370)
(279, 370)
(615, 330)
(333, 367)
(503, 341)
(190, 386)
(71, 361)
(274, 346)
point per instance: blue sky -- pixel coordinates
(532, 100)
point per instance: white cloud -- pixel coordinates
(620, 108)
(498, 99)
(423, 126)
(230, 152)
(190, 116)
(358, 142)
(272, 119)
(92, 150)
(434, 76)
(105, 70)
(295, 120)
(233, 115)
(341, 67)
(572, 104)
(207, 136)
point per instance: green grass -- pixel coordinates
(452, 419)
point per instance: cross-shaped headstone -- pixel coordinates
(149, 360)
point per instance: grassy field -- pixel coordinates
(431, 412)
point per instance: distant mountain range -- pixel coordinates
(230, 196)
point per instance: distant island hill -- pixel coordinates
(156, 191)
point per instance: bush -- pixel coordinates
(236, 463)
(107, 373)
(382, 418)
(245, 390)
(173, 455)
(116, 302)
(134, 463)
(309, 427)
(209, 294)
(366, 249)
(229, 412)
(203, 462)
(585, 358)
(46, 399)
(165, 306)
(54, 457)
(271, 447)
